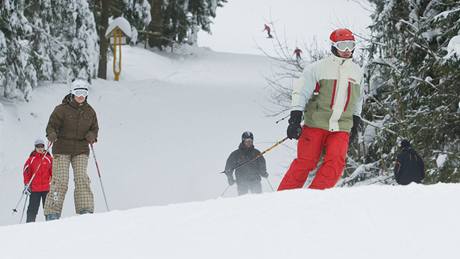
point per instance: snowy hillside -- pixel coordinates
(166, 129)
(364, 222)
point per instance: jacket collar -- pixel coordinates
(339, 60)
(242, 147)
(70, 101)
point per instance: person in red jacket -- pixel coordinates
(268, 29)
(38, 166)
(298, 54)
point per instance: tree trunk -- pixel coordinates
(156, 25)
(102, 10)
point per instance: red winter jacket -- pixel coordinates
(42, 179)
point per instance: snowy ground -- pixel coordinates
(363, 222)
(166, 129)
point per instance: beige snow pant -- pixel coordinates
(84, 201)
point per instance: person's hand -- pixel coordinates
(294, 129)
(27, 190)
(91, 141)
(231, 180)
(52, 137)
(264, 175)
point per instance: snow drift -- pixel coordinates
(364, 222)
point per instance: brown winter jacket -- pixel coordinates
(73, 126)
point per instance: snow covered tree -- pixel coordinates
(74, 25)
(137, 12)
(200, 15)
(17, 74)
(413, 88)
(40, 15)
(45, 40)
(178, 21)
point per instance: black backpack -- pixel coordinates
(409, 167)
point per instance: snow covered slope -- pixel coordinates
(363, 222)
(166, 129)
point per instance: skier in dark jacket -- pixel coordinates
(248, 177)
(409, 165)
(72, 127)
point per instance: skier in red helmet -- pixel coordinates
(328, 97)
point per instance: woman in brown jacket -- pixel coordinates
(71, 128)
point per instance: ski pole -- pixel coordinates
(282, 119)
(270, 184)
(31, 179)
(259, 155)
(222, 195)
(24, 208)
(378, 127)
(100, 179)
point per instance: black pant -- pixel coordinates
(245, 186)
(34, 204)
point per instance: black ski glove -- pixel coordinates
(52, 137)
(231, 180)
(264, 175)
(357, 125)
(294, 129)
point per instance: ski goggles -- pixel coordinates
(345, 45)
(83, 92)
(40, 146)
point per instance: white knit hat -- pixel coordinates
(39, 142)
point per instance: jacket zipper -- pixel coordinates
(333, 93)
(348, 97)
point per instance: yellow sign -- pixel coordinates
(117, 41)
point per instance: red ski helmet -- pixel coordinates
(341, 35)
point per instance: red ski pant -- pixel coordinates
(310, 146)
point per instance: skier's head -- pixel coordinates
(79, 90)
(342, 43)
(39, 145)
(405, 143)
(247, 139)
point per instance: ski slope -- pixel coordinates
(378, 222)
(166, 129)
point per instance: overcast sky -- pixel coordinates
(239, 25)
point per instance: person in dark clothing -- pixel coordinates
(248, 176)
(409, 165)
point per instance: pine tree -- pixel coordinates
(39, 12)
(178, 21)
(137, 12)
(75, 27)
(17, 74)
(413, 89)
